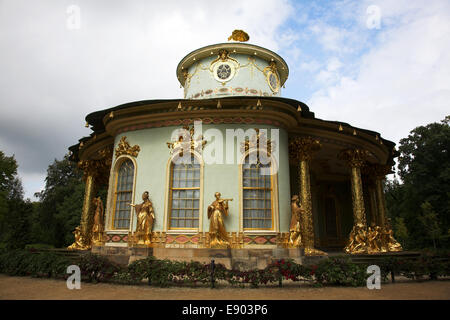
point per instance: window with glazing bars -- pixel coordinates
(123, 193)
(185, 195)
(257, 196)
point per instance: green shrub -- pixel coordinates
(340, 271)
(96, 268)
(26, 263)
(39, 246)
(162, 273)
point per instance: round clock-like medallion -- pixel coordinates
(223, 71)
(274, 83)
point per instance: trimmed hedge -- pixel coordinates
(340, 270)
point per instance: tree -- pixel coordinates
(401, 232)
(430, 222)
(424, 170)
(14, 212)
(8, 171)
(61, 203)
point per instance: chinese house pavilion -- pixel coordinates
(182, 182)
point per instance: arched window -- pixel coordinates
(257, 196)
(123, 194)
(184, 200)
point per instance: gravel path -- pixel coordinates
(31, 288)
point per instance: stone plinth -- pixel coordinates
(242, 259)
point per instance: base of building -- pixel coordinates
(241, 259)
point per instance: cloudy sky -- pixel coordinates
(379, 65)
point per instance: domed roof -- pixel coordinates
(233, 48)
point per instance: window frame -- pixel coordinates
(117, 165)
(273, 197)
(169, 193)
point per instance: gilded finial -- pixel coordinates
(239, 35)
(87, 124)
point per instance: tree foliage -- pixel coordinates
(15, 213)
(422, 197)
(59, 210)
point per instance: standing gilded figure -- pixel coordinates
(145, 219)
(97, 227)
(295, 238)
(217, 211)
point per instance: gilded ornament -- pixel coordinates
(258, 142)
(186, 142)
(125, 148)
(354, 157)
(239, 35)
(217, 212)
(303, 148)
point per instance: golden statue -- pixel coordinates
(375, 240)
(79, 243)
(357, 240)
(239, 35)
(295, 238)
(145, 219)
(217, 211)
(392, 244)
(97, 228)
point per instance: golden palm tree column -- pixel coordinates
(90, 173)
(301, 149)
(381, 172)
(356, 159)
(370, 180)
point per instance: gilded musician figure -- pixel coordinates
(217, 211)
(145, 219)
(295, 238)
(79, 243)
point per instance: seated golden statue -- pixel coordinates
(239, 35)
(79, 243)
(392, 244)
(98, 226)
(217, 211)
(375, 241)
(295, 238)
(357, 240)
(145, 219)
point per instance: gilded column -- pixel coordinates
(355, 159)
(95, 174)
(370, 179)
(302, 150)
(381, 171)
(357, 242)
(87, 212)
